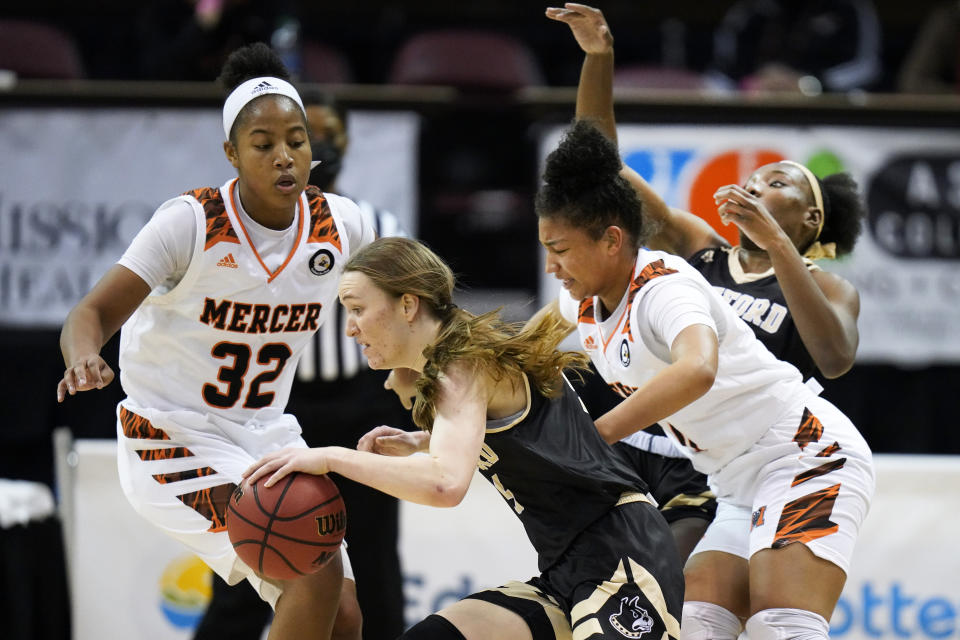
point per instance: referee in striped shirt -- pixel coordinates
(336, 398)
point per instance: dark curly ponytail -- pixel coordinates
(583, 186)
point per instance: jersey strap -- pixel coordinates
(219, 227)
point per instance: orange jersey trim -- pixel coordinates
(293, 250)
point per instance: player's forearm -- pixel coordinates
(595, 93)
(82, 334)
(829, 334)
(423, 479)
(663, 395)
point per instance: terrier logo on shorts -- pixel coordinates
(625, 353)
(321, 262)
(635, 620)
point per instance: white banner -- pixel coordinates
(130, 581)
(79, 183)
(906, 264)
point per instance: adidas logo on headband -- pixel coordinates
(251, 89)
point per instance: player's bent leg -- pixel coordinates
(309, 604)
(792, 577)
(706, 621)
(481, 620)
(433, 627)
(718, 578)
(687, 533)
(348, 624)
(787, 624)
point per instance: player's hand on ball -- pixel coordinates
(390, 441)
(284, 462)
(403, 382)
(87, 372)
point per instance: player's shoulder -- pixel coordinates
(342, 205)
(177, 209)
(652, 265)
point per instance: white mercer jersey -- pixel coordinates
(226, 339)
(752, 388)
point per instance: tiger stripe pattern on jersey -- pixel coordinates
(211, 503)
(809, 431)
(684, 440)
(219, 227)
(170, 453)
(139, 428)
(653, 270)
(585, 314)
(179, 476)
(323, 228)
(807, 518)
(816, 472)
(829, 451)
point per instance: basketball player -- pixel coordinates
(218, 295)
(491, 396)
(786, 465)
(331, 398)
(682, 493)
(786, 216)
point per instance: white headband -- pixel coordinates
(254, 88)
(815, 187)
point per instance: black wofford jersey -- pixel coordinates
(555, 471)
(760, 303)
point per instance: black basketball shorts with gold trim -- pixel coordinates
(620, 578)
(680, 490)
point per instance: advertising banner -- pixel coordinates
(906, 264)
(78, 184)
(130, 581)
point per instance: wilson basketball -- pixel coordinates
(290, 529)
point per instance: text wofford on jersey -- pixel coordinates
(243, 317)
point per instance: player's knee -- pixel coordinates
(787, 624)
(707, 621)
(433, 627)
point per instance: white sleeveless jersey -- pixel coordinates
(226, 339)
(752, 388)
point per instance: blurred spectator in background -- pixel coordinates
(783, 45)
(191, 39)
(933, 62)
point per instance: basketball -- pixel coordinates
(287, 530)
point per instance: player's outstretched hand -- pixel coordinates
(390, 441)
(284, 462)
(588, 25)
(88, 372)
(403, 382)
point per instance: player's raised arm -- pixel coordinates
(679, 232)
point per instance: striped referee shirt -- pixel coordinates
(331, 355)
